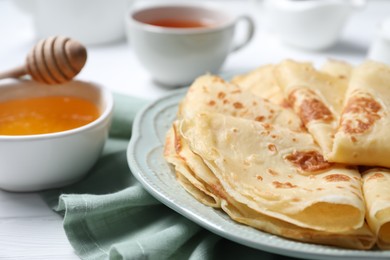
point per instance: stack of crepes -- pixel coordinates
(291, 150)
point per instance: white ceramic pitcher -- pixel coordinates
(309, 24)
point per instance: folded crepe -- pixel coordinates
(190, 170)
(362, 137)
(231, 149)
(262, 83)
(202, 184)
(337, 68)
(317, 97)
(361, 238)
(376, 188)
(277, 172)
(213, 94)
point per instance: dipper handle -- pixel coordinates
(14, 73)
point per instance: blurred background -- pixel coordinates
(111, 61)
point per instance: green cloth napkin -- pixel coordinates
(108, 215)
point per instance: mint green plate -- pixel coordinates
(145, 158)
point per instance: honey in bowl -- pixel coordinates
(176, 23)
(42, 115)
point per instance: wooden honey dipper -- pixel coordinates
(53, 60)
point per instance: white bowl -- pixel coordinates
(310, 25)
(37, 162)
(380, 46)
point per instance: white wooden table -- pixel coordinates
(29, 229)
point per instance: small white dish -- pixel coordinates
(89, 21)
(43, 161)
(380, 47)
(309, 24)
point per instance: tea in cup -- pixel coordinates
(178, 42)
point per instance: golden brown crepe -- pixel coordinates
(190, 170)
(211, 93)
(361, 238)
(233, 148)
(206, 188)
(376, 187)
(363, 135)
(262, 83)
(277, 172)
(317, 97)
(339, 69)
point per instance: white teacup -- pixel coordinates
(175, 56)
